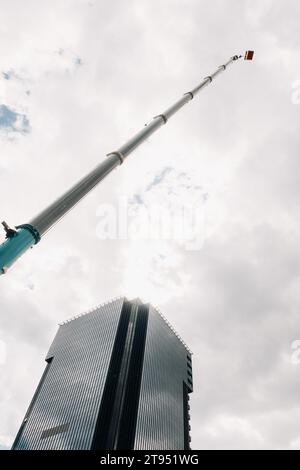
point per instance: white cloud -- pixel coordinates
(238, 141)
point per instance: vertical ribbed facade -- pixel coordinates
(117, 377)
(72, 388)
(161, 415)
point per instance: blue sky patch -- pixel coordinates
(11, 121)
(6, 75)
(158, 178)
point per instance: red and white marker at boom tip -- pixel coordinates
(249, 55)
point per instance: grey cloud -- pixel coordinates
(236, 301)
(23, 323)
(243, 326)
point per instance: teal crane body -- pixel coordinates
(23, 239)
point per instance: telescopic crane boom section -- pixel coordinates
(24, 236)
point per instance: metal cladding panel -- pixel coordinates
(160, 421)
(66, 405)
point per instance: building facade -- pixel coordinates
(117, 377)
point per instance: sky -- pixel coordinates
(80, 77)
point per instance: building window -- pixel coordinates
(56, 430)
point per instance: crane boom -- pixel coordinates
(24, 236)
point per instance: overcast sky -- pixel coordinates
(77, 79)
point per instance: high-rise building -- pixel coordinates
(117, 377)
